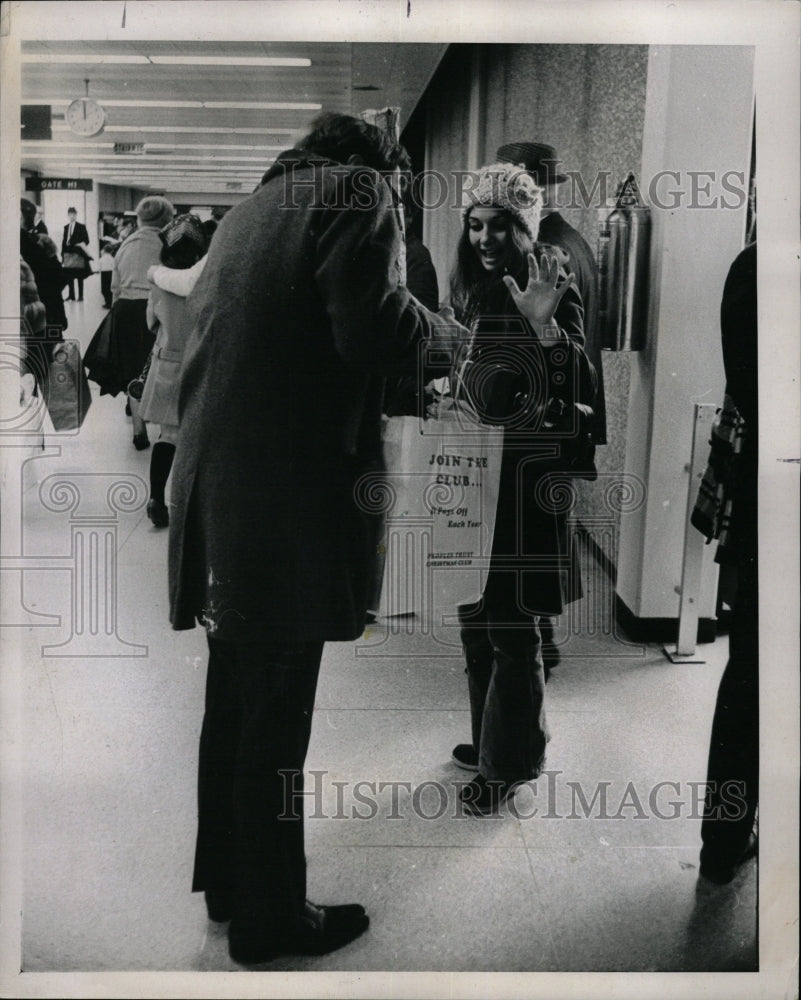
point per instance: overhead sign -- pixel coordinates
(126, 148)
(36, 121)
(58, 184)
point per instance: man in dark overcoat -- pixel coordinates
(732, 797)
(299, 316)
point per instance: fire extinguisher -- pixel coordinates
(623, 248)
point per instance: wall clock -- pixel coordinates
(85, 117)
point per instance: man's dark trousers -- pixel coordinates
(256, 729)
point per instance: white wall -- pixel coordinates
(698, 118)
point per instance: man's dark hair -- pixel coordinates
(28, 210)
(338, 137)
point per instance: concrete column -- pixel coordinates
(698, 127)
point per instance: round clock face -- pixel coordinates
(85, 117)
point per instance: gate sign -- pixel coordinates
(58, 184)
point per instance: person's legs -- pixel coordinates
(551, 656)
(105, 288)
(140, 438)
(214, 871)
(250, 858)
(478, 656)
(514, 731)
(275, 727)
(71, 286)
(256, 729)
(733, 769)
(160, 467)
(507, 697)
(80, 289)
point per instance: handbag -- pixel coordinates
(137, 385)
(66, 389)
(74, 261)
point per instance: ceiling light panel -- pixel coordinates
(229, 61)
(92, 59)
(38, 146)
(229, 105)
(85, 59)
(188, 129)
(139, 157)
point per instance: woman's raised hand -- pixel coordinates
(543, 292)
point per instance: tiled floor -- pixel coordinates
(109, 784)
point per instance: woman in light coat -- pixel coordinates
(167, 316)
(130, 336)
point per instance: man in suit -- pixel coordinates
(76, 239)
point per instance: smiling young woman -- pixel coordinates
(526, 354)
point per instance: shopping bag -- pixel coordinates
(77, 264)
(66, 389)
(441, 494)
(73, 261)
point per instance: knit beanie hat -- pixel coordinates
(502, 185)
(184, 241)
(154, 211)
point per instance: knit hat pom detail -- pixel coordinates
(504, 186)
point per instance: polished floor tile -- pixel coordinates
(593, 867)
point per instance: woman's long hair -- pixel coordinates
(472, 287)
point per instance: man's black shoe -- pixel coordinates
(218, 906)
(482, 797)
(158, 513)
(722, 874)
(464, 755)
(322, 929)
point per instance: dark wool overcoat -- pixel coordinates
(738, 324)
(299, 315)
(510, 381)
(556, 231)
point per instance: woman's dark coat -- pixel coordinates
(297, 313)
(556, 231)
(510, 381)
(50, 281)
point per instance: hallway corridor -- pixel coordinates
(110, 769)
